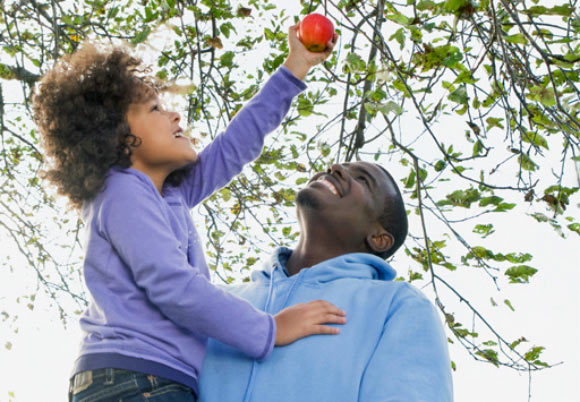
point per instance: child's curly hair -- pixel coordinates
(80, 108)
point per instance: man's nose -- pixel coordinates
(337, 169)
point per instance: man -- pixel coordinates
(392, 347)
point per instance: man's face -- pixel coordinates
(348, 198)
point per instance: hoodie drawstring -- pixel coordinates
(298, 279)
(250, 386)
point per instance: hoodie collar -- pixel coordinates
(353, 265)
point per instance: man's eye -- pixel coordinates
(363, 179)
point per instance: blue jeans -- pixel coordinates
(116, 385)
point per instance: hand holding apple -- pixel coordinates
(300, 60)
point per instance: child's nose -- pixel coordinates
(175, 117)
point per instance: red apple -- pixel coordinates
(315, 32)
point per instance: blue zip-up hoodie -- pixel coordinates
(392, 348)
(152, 306)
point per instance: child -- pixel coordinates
(122, 158)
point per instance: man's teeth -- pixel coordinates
(328, 185)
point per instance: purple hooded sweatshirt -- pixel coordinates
(152, 306)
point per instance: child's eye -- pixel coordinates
(155, 108)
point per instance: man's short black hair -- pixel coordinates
(394, 217)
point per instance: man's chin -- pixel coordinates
(306, 199)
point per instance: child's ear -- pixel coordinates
(379, 240)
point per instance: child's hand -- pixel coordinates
(305, 319)
(300, 60)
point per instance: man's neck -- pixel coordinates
(314, 250)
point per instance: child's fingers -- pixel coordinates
(332, 319)
(326, 307)
(293, 29)
(305, 319)
(293, 34)
(323, 312)
(326, 330)
(331, 44)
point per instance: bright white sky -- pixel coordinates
(36, 368)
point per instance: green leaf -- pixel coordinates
(492, 200)
(489, 355)
(509, 304)
(543, 95)
(535, 11)
(574, 227)
(410, 182)
(462, 198)
(399, 19)
(519, 38)
(515, 343)
(534, 353)
(269, 34)
(494, 122)
(455, 5)
(520, 273)
(527, 163)
(435, 56)
(504, 206)
(535, 139)
(440, 165)
(465, 77)
(413, 276)
(226, 59)
(226, 28)
(540, 217)
(477, 147)
(424, 5)
(226, 194)
(354, 63)
(305, 106)
(483, 230)
(459, 95)
(389, 107)
(141, 36)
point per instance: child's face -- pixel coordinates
(163, 148)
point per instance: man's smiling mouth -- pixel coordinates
(330, 186)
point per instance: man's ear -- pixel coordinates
(379, 240)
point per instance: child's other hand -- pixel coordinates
(300, 60)
(305, 319)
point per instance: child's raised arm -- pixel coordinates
(243, 139)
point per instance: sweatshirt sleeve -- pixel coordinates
(243, 139)
(137, 227)
(411, 361)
